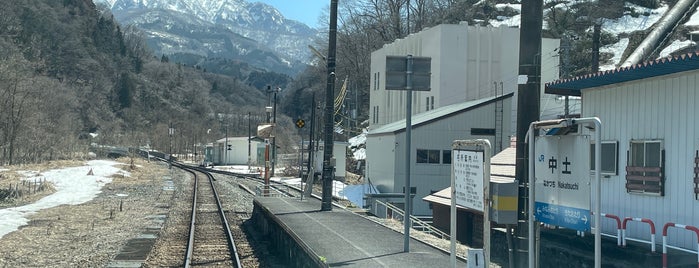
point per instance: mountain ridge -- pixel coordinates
(281, 41)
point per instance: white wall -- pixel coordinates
(238, 155)
(468, 62)
(655, 108)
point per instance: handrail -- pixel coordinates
(416, 221)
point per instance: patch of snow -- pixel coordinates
(73, 186)
(355, 143)
(506, 21)
(675, 46)
(628, 23)
(359, 154)
(694, 19)
(617, 49)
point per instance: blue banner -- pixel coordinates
(567, 217)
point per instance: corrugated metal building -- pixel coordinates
(432, 135)
(650, 139)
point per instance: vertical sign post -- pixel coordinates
(470, 187)
(407, 73)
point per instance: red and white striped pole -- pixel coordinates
(652, 230)
(618, 226)
(687, 227)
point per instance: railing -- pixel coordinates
(652, 232)
(619, 235)
(397, 214)
(665, 246)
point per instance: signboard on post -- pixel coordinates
(468, 178)
(562, 170)
(396, 68)
(470, 187)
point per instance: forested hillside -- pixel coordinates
(71, 76)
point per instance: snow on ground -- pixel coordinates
(628, 23)
(694, 19)
(676, 45)
(624, 25)
(355, 142)
(353, 193)
(617, 49)
(240, 169)
(73, 186)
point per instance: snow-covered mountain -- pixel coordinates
(256, 33)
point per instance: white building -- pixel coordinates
(238, 151)
(432, 136)
(650, 144)
(468, 63)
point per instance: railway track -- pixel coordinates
(210, 240)
(200, 231)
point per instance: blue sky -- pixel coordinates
(306, 11)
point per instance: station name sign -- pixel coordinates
(563, 181)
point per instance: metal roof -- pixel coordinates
(502, 169)
(664, 66)
(436, 114)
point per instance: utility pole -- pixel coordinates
(528, 100)
(310, 139)
(328, 165)
(249, 142)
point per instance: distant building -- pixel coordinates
(432, 134)
(237, 152)
(650, 143)
(339, 154)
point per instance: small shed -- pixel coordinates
(470, 222)
(236, 150)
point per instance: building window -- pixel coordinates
(644, 171)
(610, 157)
(446, 157)
(427, 104)
(427, 156)
(375, 115)
(432, 103)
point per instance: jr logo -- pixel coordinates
(541, 158)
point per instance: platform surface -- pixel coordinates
(349, 240)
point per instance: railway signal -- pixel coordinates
(300, 123)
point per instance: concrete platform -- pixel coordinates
(337, 238)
